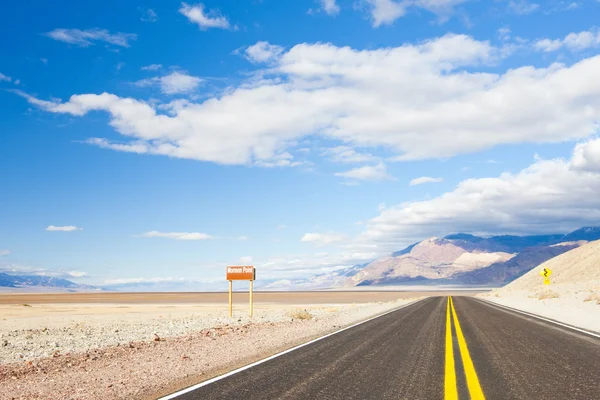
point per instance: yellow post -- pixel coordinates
(230, 299)
(251, 299)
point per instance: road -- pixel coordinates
(438, 348)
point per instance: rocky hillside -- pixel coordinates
(574, 273)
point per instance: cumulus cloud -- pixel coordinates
(85, 38)
(586, 156)
(68, 228)
(151, 67)
(4, 253)
(573, 41)
(174, 83)
(322, 239)
(548, 196)
(425, 179)
(177, 235)
(204, 20)
(382, 98)
(376, 172)
(263, 52)
(4, 78)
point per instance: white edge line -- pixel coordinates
(590, 333)
(235, 371)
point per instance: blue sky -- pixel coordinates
(162, 141)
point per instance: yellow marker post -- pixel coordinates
(230, 299)
(546, 272)
(450, 389)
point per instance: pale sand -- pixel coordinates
(573, 295)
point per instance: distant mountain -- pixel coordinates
(462, 258)
(431, 259)
(17, 281)
(589, 233)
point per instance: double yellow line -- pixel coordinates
(450, 388)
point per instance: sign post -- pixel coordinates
(241, 273)
(546, 272)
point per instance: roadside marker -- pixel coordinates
(475, 390)
(450, 389)
(546, 272)
(242, 273)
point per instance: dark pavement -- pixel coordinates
(401, 356)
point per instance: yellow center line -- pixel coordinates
(450, 390)
(475, 391)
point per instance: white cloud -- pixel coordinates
(151, 67)
(242, 237)
(329, 7)
(4, 77)
(247, 260)
(573, 41)
(87, 37)
(174, 83)
(385, 12)
(177, 235)
(197, 15)
(76, 274)
(522, 7)
(322, 239)
(504, 33)
(425, 179)
(419, 101)
(586, 156)
(68, 228)
(4, 252)
(148, 15)
(549, 196)
(346, 154)
(376, 172)
(263, 52)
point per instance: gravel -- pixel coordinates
(145, 360)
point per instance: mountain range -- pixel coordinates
(36, 281)
(456, 259)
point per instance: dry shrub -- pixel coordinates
(300, 314)
(548, 294)
(594, 296)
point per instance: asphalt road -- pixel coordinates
(433, 349)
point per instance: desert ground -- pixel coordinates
(143, 345)
(573, 295)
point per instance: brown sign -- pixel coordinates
(242, 273)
